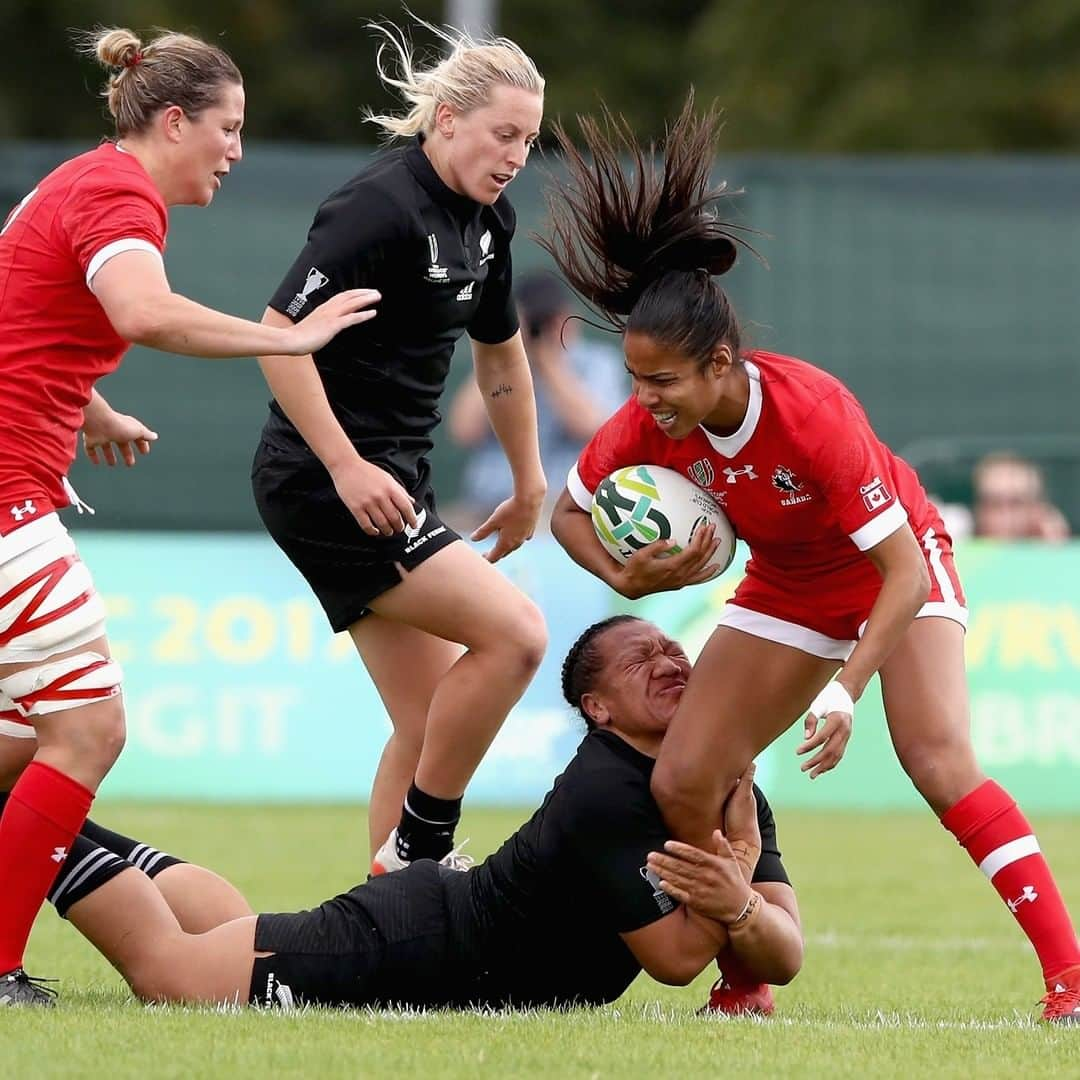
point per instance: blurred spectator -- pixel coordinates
(1010, 502)
(579, 384)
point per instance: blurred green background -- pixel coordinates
(910, 167)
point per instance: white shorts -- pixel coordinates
(781, 631)
(48, 603)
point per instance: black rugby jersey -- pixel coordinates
(442, 264)
(540, 919)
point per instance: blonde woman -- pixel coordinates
(81, 278)
(341, 477)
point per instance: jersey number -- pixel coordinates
(15, 213)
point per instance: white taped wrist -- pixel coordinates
(834, 698)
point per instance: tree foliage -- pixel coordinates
(813, 75)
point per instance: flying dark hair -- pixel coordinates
(643, 247)
(583, 663)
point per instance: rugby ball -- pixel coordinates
(640, 504)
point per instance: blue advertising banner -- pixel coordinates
(237, 690)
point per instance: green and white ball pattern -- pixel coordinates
(640, 504)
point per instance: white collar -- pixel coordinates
(730, 445)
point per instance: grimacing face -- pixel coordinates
(641, 680)
(677, 392)
(488, 146)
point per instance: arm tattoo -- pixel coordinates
(501, 389)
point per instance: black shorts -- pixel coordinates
(345, 567)
(385, 943)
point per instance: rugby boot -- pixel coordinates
(19, 989)
(1061, 1005)
(456, 860)
(387, 859)
(752, 1000)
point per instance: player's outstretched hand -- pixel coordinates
(710, 883)
(339, 312)
(654, 569)
(514, 520)
(835, 707)
(116, 433)
(379, 503)
(741, 823)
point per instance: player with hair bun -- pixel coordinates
(342, 478)
(82, 278)
(851, 570)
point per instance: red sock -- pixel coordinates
(990, 826)
(44, 814)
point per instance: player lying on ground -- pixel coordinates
(568, 911)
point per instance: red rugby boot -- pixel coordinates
(1062, 1002)
(736, 1000)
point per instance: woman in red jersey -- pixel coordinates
(81, 278)
(851, 571)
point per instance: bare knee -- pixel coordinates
(943, 770)
(532, 637)
(107, 740)
(522, 640)
(689, 796)
(84, 743)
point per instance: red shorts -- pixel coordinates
(827, 616)
(28, 504)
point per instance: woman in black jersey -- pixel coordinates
(341, 477)
(586, 894)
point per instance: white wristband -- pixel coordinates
(834, 698)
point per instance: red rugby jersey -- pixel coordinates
(55, 339)
(805, 481)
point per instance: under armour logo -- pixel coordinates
(27, 509)
(733, 474)
(59, 855)
(1029, 894)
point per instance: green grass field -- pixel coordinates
(913, 968)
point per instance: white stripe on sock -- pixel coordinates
(152, 862)
(428, 821)
(1009, 853)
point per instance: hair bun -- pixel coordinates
(688, 254)
(723, 256)
(117, 48)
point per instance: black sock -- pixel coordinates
(87, 867)
(142, 856)
(427, 826)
